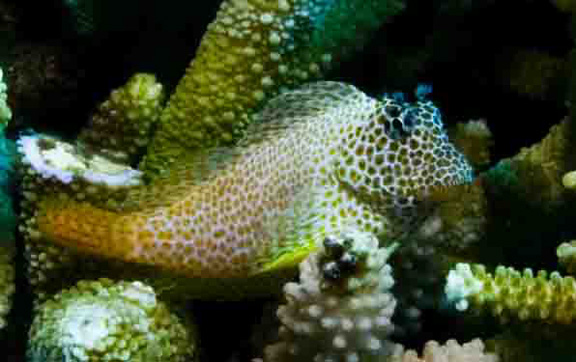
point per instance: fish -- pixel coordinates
(316, 161)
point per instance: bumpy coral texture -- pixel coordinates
(106, 321)
(51, 164)
(322, 158)
(252, 50)
(512, 295)
(122, 125)
(7, 215)
(7, 286)
(5, 112)
(566, 253)
(474, 139)
(538, 170)
(451, 351)
(341, 308)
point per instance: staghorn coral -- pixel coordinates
(90, 169)
(566, 256)
(7, 214)
(473, 139)
(7, 276)
(251, 51)
(5, 112)
(537, 171)
(322, 158)
(121, 127)
(107, 321)
(451, 351)
(510, 294)
(341, 308)
(52, 164)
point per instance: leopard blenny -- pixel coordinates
(318, 160)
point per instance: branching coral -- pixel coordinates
(106, 321)
(341, 309)
(566, 253)
(537, 170)
(122, 126)
(451, 351)
(251, 51)
(7, 276)
(510, 294)
(91, 169)
(5, 112)
(7, 214)
(474, 139)
(52, 164)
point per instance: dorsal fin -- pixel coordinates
(276, 118)
(196, 168)
(295, 106)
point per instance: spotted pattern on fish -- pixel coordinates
(317, 160)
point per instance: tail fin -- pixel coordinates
(83, 227)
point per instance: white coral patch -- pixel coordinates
(52, 157)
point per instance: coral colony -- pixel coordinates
(258, 176)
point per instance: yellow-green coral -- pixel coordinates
(537, 170)
(569, 180)
(122, 125)
(566, 253)
(106, 321)
(67, 171)
(512, 295)
(251, 51)
(5, 112)
(7, 276)
(473, 139)
(325, 157)
(90, 169)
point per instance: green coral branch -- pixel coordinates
(5, 112)
(509, 294)
(252, 51)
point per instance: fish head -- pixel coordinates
(401, 155)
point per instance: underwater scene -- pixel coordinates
(287, 180)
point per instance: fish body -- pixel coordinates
(317, 161)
